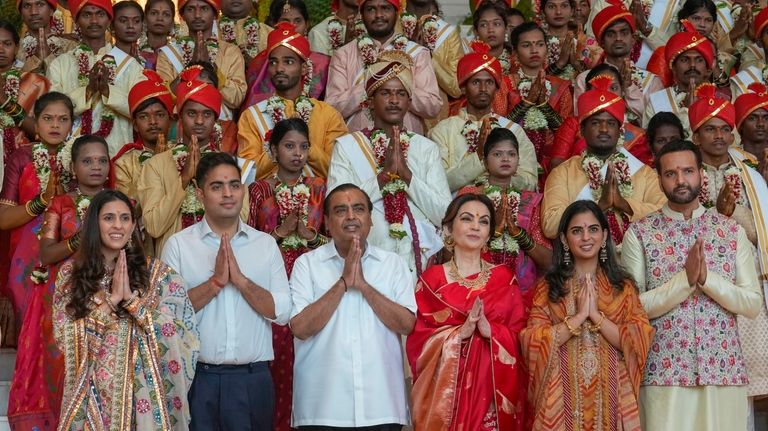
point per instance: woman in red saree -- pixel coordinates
(289, 207)
(464, 351)
(588, 335)
(35, 397)
(540, 102)
(31, 179)
(568, 139)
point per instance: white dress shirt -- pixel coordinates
(231, 331)
(350, 374)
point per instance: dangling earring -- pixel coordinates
(566, 255)
(448, 242)
(603, 253)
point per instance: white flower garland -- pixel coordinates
(592, 165)
(250, 28)
(471, 133)
(81, 204)
(335, 33)
(29, 46)
(275, 109)
(41, 163)
(11, 91)
(503, 241)
(396, 187)
(292, 199)
(187, 45)
(732, 177)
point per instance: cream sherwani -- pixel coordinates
(445, 58)
(229, 64)
(128, 171)
(568, 182)
(160, 195)
(241, 38)
(717, 407)
(667, 100)
(428, 194)
(462, 168)
(319, 40)
(346, 86)
(63, 76)
(325, 125)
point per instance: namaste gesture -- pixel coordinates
(395, 163)
(200, 53)
(190, 166)
(611, 198)
(475, 320)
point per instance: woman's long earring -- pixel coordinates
(566, 255)
(448, 242)
(603, 253)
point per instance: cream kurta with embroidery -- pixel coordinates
(428, 193)
(319, 40)
(63, 74)
(462, 168)
(241, 37)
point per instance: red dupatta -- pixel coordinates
(473, 384)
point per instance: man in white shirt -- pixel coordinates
(351, 303)
(235, 303)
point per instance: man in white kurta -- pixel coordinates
(112, 98)
(407, 158)
(458, 136)
(696, 273)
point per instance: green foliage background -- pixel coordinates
(8, 11)
(318, 9)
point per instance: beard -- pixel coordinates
(286, 84)
(691, 194)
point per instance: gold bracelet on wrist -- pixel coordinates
(596, 326)
(274, 231)
(573, 331)
(110, 304)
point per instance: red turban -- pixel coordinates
(216, 4)
(76, 5)
(708, 106)
(600, 99)
(687, 40)
(285, 35)
(476, 61)
(761, 20)
(398, 4)
(606, 17)
(750, 102)
(474, 4)
(190, 88)
(153, 87)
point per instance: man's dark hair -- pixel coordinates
(677, 147)
(343, 188)
(663, 119)
(10, 28)
(211, 160)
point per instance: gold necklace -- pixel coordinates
(478, 283)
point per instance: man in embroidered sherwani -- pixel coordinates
(97, 76)
(459, 136)
(331, 33)
(614, 28)
(347, 71)
(695, 271)
(623, 187)
(165, 189)
(287, 53)
(239, 27)
(203, 45)
(738, 192)
(39, 15)
(404, 164)
(691, 58)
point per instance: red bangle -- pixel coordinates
(215, 283)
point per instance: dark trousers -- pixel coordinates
(232, 397)
(385, 427)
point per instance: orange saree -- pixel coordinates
(586, 383)
(474, 384)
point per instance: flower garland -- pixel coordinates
(11, 91)
(429, 29)
(525, 82)
(394, 191)
(335, 33)
(505, 59)
(293, 199)
(82, 202)
(471, 133)
(83, 55)
(64, 163)
(503, 241)
(187, 45)
(307, 78)
(592, 165)
(732, 177)
(56, 24)
(250, 27)
(409, 22)
(367, 47)
(29, 46)
(42, 163)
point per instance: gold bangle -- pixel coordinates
(274, 231)
(574, 331)
(28, 210)
(42, 199)
(110, 304)
(596, 327)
